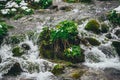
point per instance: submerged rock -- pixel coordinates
(104, 28)
(15, 70)
(65, 8)
(92, 57)
(108, 50)
(25, 46)
(116, 44)
(17, 51)
(76, 74)
(93, 41)
(58, 69)
(117, 33)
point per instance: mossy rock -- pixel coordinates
(18, 16)
(93, 41)
(104, 28)
(76, 74)
(116, 44)
(53, 42)
(46, 52)
(93, 25)
(17, 51)
(58, 69)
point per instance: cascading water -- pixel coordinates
(30, 63)
(102, 56)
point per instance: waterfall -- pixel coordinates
(31, 63)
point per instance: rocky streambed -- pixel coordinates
(101, 59)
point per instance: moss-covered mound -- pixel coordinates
(93, 26)
(54, 43)
(58, 69)
(17, 51)
(93, 41)
(104, 28)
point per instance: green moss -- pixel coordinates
(93, 26)
(18, 1)
(104, 28)
(58, 69)
(93, 41)
(28, 11)
(74, 54)
(17, 51)
(18, 16)
(3, 31)
(114, 17)
(53, 42)
(41, 4)
(76, 74)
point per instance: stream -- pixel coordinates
(101, 62)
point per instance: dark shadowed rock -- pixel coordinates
(15, 70)
(25, 46)
(108, 50)
(116, 44)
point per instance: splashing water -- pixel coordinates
(30, 62)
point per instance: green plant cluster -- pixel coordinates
(73, 53)
(16, 12)
(3, 31)
(58, 69)
(54, 42)
(66, 30)
(41, 4)
(114, 17)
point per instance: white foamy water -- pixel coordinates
(104, 60)
(94, 57)
(30, 62)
